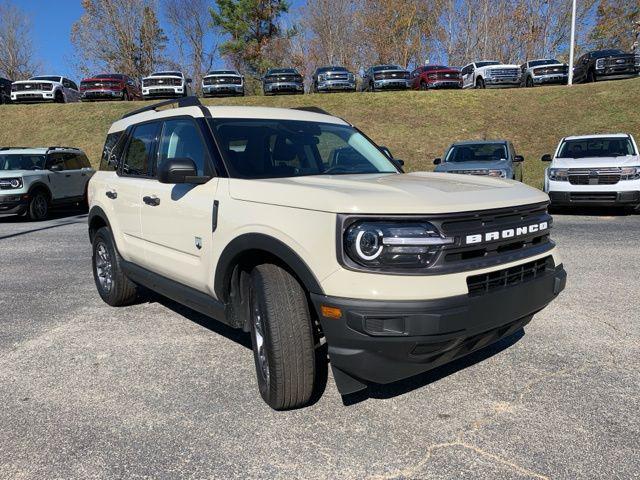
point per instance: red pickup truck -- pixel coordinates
(110, 86)
(435, 76)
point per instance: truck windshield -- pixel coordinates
(21, 162)
(597, 147)
(478, 152)
(266, 148)
(537, 63)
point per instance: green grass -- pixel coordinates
(416, 126)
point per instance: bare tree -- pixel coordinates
(190, 28)
(120, 35)
(17, 59)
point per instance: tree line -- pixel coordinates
(133, 36)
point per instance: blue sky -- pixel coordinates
(51, 25)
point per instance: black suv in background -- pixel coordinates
(5, 90)
(331, 79)
(282, 80)
(605, 65)
(381, 77)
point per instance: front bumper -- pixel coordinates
(33, 96)
(278, 87)
(551, 79)
(616, 73)
(392, 83)
(13, 204)
(445, 84)
(595, 198)
(223, 89)
(381, 342)
(163, 92)
(336, 85)
(502, 81)
(101, 94)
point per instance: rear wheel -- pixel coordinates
(282, 337)
(591, 76)
(38, 208)
(424, 86)
(114, 287)
(480, 83)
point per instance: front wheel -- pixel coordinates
(591, 77)
(480, 83)
(114, 287)
(282, 338)
(529, 82)
(38, 208)
(424, 86)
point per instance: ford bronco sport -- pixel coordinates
(294, 226)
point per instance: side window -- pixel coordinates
(66, 83)
(136, 158)
(181, 139)
(55, 159)
(83, 160)
(73, 85)
(71, 162)
(111, 152)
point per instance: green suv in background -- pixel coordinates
(33, 180)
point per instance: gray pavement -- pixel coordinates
(157, 391)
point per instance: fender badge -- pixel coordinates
(198, 241)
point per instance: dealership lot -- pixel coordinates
(155, 390)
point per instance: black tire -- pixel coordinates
(120, 290)
(372, 87)
(424, 86)
(480, 83)
(591, 77)
(282, 338)
(529, 82)
(59, 97)
(38, 208)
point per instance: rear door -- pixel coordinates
(178, 220)
(60, 181)
(73, 175)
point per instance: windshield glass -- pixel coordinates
(48, 79)
(277, 71)
(479, 152)
(537, 63)
(606, 53)
(109, 75)
(597, 147)
(331, 69)
(265, 148)
(387, 67)
(484, 64)
(166, 74)
(435, 67)
(222, 72)
(12, 161)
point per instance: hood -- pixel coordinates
(35, 81)
(456, 166)
(443, 70)
(162, 76)
(413, 193)
(403, 70)
(213, 75)
(19, 173)
(595, 162)
(101, 79)
(502, 65)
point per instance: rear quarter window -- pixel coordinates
(111, 152)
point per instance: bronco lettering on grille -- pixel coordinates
(507, 233)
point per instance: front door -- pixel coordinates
(177, 220)
(60, 181)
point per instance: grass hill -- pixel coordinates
(416, 126)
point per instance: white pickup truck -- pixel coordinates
(490, 73)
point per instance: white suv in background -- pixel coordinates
(166, 84)
(594, 170)
(45, 88)
(490, 73)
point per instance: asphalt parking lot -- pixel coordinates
(157, 391)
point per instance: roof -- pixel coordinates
(598, 135)
(479, 142)
(228, 112)
(36, 149)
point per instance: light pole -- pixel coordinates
(573, 41)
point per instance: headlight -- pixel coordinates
(352, 77)
(393, 245)
(559, 174)
(14, 88)
(10, 183)
(600, 63)
(497, 173)
(630, 173)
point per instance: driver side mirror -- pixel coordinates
(180, 170)
(518, 158)
(189, 80)
(57, 167)
(546, 157)
(387, 152)
(437, 161)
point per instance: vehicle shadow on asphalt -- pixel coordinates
(73, 217)
(383, 392)
(594, 211)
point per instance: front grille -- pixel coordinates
(593, 197)
(335, 76)
(445, 76)
(551, 71)
(152, 82)
(594, 177)
(223, 80)
(283, 78)
(22, 87)
(504, 72)
(392, 76)
(98, 84)
(509, 277)
(620, 62)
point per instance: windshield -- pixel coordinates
(11, 161)
(277, 71)
(478, 152)
(484, 64)
(387, 67)
(331, 69)
(606, 53)
(222, 72)
(166, 74)
(435, 67)
(110, 75)
(48, 79)
(265, 148)
(597, 147)
(537, 63)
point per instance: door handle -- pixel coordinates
(152, 200)
(111, 194)
(67, 175)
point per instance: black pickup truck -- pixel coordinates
(604, 65)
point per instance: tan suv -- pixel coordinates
(294, 226)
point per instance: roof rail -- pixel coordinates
(191, 101)
(59, 147)
(312, 109)
(14, 148)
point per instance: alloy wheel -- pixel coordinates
(104, 267)
(258, 332)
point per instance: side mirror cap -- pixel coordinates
(399, 162)
(189, 80)
(546, 157)
(386, 151)
(437, 161)
(518, 158)
(179, 170)
(56, 168)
